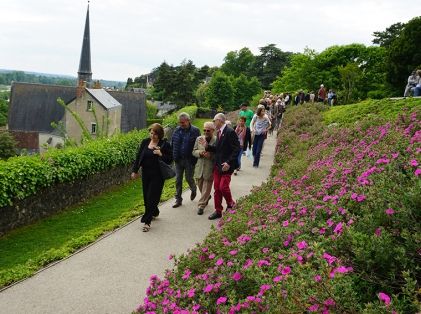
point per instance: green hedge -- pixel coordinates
(383, 108)
(152, 121)
(24, 176)
(172, 120)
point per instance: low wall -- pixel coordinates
(55, 198)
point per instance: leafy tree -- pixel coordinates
(4, 108)
(350, 75)
(269, 64)
(200, 94)
(7, 145)
(245, 88)
(239, 62)
(165, 82)
(404, 55)
(185, 83)
(220, 92)
(385, 38)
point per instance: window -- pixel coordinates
(90, 106)
(93, 128)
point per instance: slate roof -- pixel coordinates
(104, 98)
(34, 106)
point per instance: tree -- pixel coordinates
(220, 92)
(185, 83)
(245, 88)
(404, 55)
(4, 108)
(269, 64)
(350, 75)
(7, 145)
(239, 62)
(164, 84)
(385, 38)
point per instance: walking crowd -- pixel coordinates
(206, 161)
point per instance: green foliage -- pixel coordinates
(6, 78)
(388, 109)
(245, 88)
(385, 38)
(171, 121)
(26, 175)
(404, 55)
(151, 110)
(239, 62)
(151, 121)
(220, 92)
(7, 145)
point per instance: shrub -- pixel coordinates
(7, 145)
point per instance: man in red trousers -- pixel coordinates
(226, 151)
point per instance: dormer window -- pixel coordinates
(90, 106)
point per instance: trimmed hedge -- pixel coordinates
(25, 175)
(171, 121)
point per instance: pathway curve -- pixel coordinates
(111, 276)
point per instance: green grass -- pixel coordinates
(198, 122)
(27, 249)
(383, 108)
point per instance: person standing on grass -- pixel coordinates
(226, 151)
(183, 141)
(259, 127)
(203, 172)
(241, 131)
(150, 151)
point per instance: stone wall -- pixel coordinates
(56, 198)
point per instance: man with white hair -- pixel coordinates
(226, 151)
(321, 94)
(203, 172)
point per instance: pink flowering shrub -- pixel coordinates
(335, 229)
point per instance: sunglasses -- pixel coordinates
(207, 130)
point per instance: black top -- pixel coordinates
(144, 153)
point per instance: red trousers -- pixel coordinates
(221, 185)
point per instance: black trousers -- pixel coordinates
(152, 185)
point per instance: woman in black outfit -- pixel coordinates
(150, 151)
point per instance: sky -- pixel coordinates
(131, 37)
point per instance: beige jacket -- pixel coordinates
(204, 166)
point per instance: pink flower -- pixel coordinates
(389, 211)
(302, 245)
(378, 232)
(338, 228)
(329, 302)
(277, 279)
(384, 297)
(233, 252)
(286, 270)
(221, 300)
(186, 274)
(285, 223)
(265, 250)
(329, 258)
(190, 293)
(413, 163)
(219, 262)
(208, 288)
(248, 263)
(211, 256)
(236, 276)
(361, 198)
(417, 172)
(317, 278)
(313, 308)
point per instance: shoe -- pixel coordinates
(207, 202)
(146, 227)
(155, 214)
(235, 172)
(200, 211)
(177, 204)
(193, 195)
(215, 215)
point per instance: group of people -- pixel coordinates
(414, 84)
(322, 96)
(205, 160)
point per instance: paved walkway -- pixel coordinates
(111, 276)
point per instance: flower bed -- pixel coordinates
(335, 230)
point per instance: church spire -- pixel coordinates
(85, 73)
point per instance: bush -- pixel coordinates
(7, 145)
(171, 121)
(152, 121)
(151, 110)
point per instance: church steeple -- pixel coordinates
(85, 73)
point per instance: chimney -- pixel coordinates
(80, 88)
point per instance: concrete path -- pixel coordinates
(111, 276)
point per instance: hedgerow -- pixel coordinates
(335, 229)
(172, 120)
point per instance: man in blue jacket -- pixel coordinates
(183, 140)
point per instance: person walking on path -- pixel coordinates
(412, 82)
(226, 151)
(321, 94)
(241, 131)
(248, 114)
(259, 127)
(203, 172)
(150, 151)
(183, 141)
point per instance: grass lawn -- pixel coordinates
(198, 122)
(27, 249)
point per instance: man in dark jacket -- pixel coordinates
(226, 151)
(183, 140)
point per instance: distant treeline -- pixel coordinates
(7, 77)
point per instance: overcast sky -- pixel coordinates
(130, 37)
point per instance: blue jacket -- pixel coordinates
(183, 143)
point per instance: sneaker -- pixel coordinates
(177, 204)
(215, 215)
(193, 195)
(200, 211)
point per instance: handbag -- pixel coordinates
(167, 171)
